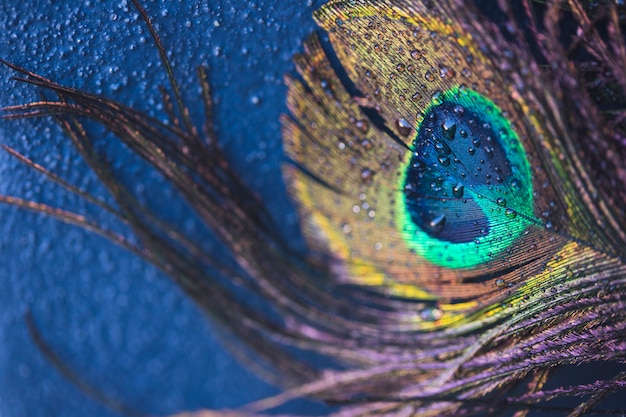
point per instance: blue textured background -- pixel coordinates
(113, 318)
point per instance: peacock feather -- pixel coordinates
(464, 192)
(460, 186)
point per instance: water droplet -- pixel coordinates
(419, 164)
(501, 201)
(458, 190)
(431, 314)
(446, 72)
(471, 150)
(449, 128)
(499, 283)
(442, 148)
(510, 213)
(437, 98)
(444, 160)
(404, 127)
(438, 222)
(362, 125)
(429, 76)
(367, 174)
(400, 67)
(415, 54)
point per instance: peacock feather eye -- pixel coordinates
(463, 182)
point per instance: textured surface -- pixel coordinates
(112, 317)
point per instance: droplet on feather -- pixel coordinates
(446, 73)
(404, 127)
(449, 128)
(510, 213)
(438, 222)
(431, 314)
(415, 54)
(367, 175)
(458, 190)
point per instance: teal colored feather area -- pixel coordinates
(466, 187)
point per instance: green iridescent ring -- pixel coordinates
(466, 189)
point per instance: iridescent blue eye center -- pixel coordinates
(454, 150)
